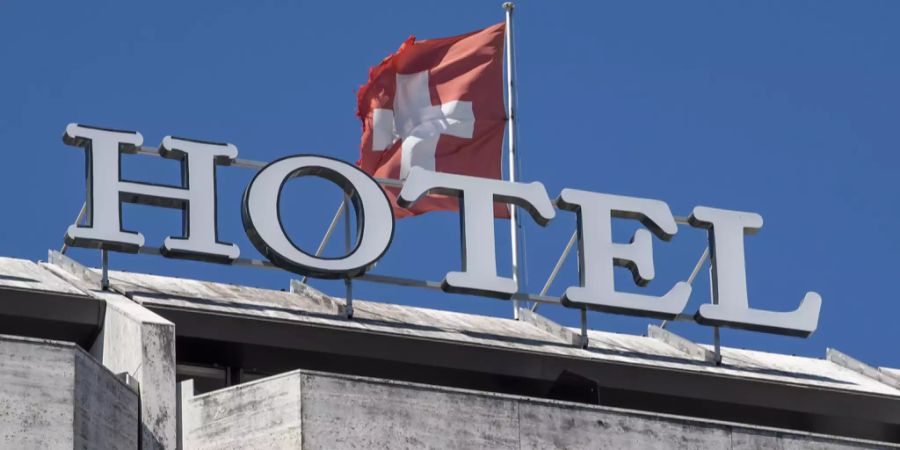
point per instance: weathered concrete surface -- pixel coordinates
(53, 395)
(689, 348)
(23, 274)
(542, 323)
(139, 342)
(314, 410)
(848, 362)
(251, 415)
(136, 341)
(557, 425)
(321, 300)
(308, 307)
(349, 412)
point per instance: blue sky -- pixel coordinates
(787, 109)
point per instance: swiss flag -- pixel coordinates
(437, 104)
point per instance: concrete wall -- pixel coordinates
(251, 415)
(136, 341)
(56, 396)
(315, 410)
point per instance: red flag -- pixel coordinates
(437, 104)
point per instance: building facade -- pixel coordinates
(162, 362)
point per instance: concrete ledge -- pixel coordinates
(304, 409)
(848, 362)
(53, 395)
(37, 303)
(566, 335)
(692, 349)
(90, 280)
(318, 298)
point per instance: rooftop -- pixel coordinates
(263, 332)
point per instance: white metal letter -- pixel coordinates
(728, 276)
(375, 224)
(196, 196)
(598, 254)
(476, 198)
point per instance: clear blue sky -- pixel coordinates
(788, 109)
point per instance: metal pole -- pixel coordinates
(331, 227)
(348, 285)
(555, 272)
(717, 341)
(692, 277)
(584, 335)
(104, 278)
(348, 282)
(392, 280)
(62, 250)
(330, 231)
(699, 265)
(511, 112)
(718, 346)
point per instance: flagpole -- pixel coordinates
(511, 113)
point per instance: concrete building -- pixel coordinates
(161, 362)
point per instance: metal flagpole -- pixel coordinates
(511, 112)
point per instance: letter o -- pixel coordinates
(262, 221)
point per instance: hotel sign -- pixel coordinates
(598, 254)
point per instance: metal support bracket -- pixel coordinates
(717, 345)
(329, 231)
(78, 220)
(348, 310)
(555, 271)
(584, 331)
(348, 282)
(692, 277)
(104, 274)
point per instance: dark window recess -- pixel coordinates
(206, 378)
(210, 377)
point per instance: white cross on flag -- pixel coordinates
(437, 104)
